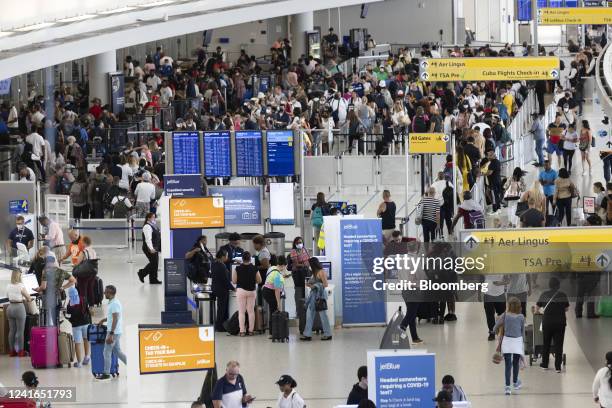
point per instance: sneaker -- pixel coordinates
(451, 317)
(155, 282)
(507, 390)
(543, 367)
(103, 377)
(305, 338)
(326, 338)
(77, 365)
(491, 337)
(417, 341)
(141, 275)
(517, 385)
(86, 361)
(558, 370)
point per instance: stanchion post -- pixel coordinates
(131, 239)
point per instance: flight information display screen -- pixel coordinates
(186, 152)
(279, 145)
(249, 153)
(217, 150)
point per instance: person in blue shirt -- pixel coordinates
(20, 234)
(547, 179)
(114, 320)
(230, 390)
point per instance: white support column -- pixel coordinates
(300, 23)
(98, 67)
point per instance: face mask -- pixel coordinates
(153, 222)
(20, 227)
(299, 246)
(566, 110)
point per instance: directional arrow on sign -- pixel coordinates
(609, 144)
(471, 242)
(445, 138)
(424, 76)
(602, 260)
(554, 73)
(424, 64)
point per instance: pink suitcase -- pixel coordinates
(43, 347)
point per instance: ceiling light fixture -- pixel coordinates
(33, 27)
(115, 11)
(76, 18)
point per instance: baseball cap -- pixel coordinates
(382, 83)
(443, 396)
(286, 379)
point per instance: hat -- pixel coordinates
(382, 83)
(286, 379)
(400, 93)
(443, 396)
(261, 95)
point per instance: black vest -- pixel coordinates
(155, 239)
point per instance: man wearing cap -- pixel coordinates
(289, 398)
(444, 399)
(145, 193)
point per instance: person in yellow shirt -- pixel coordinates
(508, 101)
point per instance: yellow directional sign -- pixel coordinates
(574, 15)
(533, 250)
(433, 143)
(489, 69)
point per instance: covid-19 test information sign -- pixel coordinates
(402, 378)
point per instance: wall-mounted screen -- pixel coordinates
(217, 150)
(186, 152)
(281, 204)
(280, 146)
(249, 153)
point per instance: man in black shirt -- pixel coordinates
(360, 390)
(567, 99)
(532, 217)
(472, 151)
(553, 305)
(494, 178)
(20, 234)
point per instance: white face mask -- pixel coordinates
(299, 246)
(20, 227)
(566, 110)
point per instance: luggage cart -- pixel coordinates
(534, 341)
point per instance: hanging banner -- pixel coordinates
(116, 82)
(360, 243)
(183, 185)
(489, 69)
(242, 204)
(402, 378)
(171, 349)
(574, 15)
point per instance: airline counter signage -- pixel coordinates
(535, 250)
(423, 143)
(489, 69)
(574, 15)
(197, 213)
(165, 349)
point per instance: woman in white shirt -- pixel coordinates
(602, 384)
(16, 312)
(288, 398)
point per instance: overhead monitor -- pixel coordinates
(281, 204)
(249, 153)
(242, 203)
(280, 145)
(217, 150)
(186, 152)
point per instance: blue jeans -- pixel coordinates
(310, 316)
(109, 349)
(539, 146)
(607, 167)
(512, 366)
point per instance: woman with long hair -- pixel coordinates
(537, 194)
(584, 144)
(17, 294)
(602, 384)
(317, 284)
(514, 188)
(513, 324)
(465, 166)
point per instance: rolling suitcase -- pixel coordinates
(65, 344)
(43, 347)
(279, 326)
(260, 325)
(97, 336)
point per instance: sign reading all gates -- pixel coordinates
(170, 349)
(535, 250)
(402, 378)
(197, 213)
(574, 15)
(434, 143)
(489, 69)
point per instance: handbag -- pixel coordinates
(521, 207)
(86, 269)
(497, 356)
(320, 304)
(574, 191)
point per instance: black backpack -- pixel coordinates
(120, 209)
(447, 195)
(99, 191)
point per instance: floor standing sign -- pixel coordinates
(402, 378)
(360, 243)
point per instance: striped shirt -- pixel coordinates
(429, 208)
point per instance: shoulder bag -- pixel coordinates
(546, 306)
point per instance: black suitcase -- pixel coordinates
(317, 326)
(279, 326)
(426, 311)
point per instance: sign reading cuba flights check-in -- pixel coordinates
(489, 69)
(402, 378)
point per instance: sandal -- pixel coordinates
(250, 334)
(241, 334)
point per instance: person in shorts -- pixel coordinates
(554, 132)
(80, 318)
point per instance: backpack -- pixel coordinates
(419, 125)
(447, 195)
(78, 193)
(99, 191)
(317, 217)
(120, 209)
(477, 219)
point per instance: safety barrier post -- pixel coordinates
(131, 240)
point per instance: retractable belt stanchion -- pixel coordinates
(131, 240)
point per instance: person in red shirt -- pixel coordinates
(96, 109)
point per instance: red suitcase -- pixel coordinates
(17, 403)
(43, 347)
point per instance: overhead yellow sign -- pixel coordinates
(534, 250)
(433, 143)
(489, 69)
(173, 349)
(574, 15)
